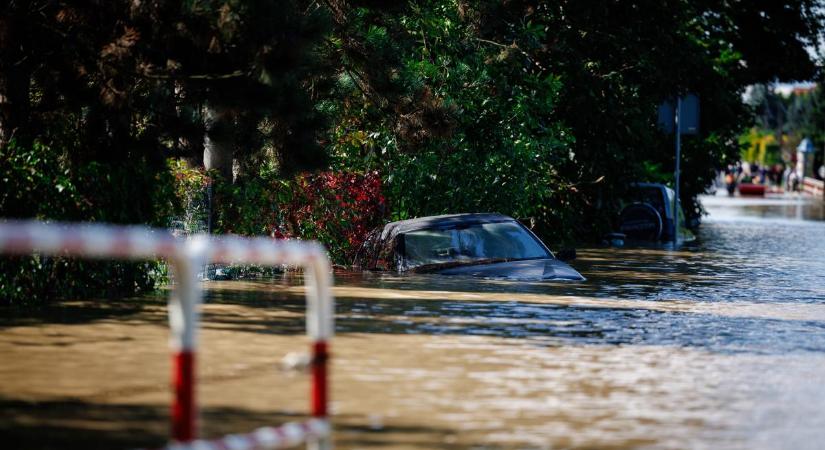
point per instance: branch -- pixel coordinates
(357, 77)
(224, 76)
(515, 47)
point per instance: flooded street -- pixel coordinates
(717, 344)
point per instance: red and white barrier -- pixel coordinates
(284, 436)
(186, 257)
(813, 186)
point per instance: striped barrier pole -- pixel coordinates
(132, 243)
(185, 258)
(320, 333)
(284, 436)
(184, 303)
(813, 187)
(320, 308)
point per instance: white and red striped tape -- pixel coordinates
(813, 186)
(87, 240)
(266, 438)
(186, 257)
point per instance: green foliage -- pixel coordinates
(37, 181)
(796, 116)
(191, 192)
(466, 126)
(119, 81)
(618, 61)
(548, 110)
(338, 209)
(534, 109)
(98, 95)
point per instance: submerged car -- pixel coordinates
(481, 245)
(649, 214)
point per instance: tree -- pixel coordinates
(452, 121)
(106, 91)
(795, 116)
(617, 61)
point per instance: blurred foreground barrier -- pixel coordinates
(813, 186)
(186, 257)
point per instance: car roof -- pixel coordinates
(393, 229)
(652, 185)
(669, 195)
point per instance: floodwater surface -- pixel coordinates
(719, 343)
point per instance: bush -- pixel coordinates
(191, 188)
(338, 209)
(38, 182)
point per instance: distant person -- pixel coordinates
(786, 178)
(745, 176)
(776, 174)
(730, 182)
(822, 172)
(793, 181)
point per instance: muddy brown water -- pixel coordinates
(717, 344)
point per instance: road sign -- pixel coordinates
(688, 115)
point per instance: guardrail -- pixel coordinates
(185, 258)
(813, 186)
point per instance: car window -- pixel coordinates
(507, 240)
(652, 196)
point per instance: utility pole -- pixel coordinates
(678, 158)
(686, 122)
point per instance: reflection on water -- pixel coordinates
(782, 207)
(717, 344)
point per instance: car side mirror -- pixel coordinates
(567, 254)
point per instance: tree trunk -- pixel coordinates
(217, 142)
(217, 153)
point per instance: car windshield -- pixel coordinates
(471, 244)
(652, 196)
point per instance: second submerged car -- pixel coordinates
(482, 245)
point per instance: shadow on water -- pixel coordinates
(422, 305)
(151, 308)
(71, 423)
(541, 323)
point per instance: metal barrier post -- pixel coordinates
(184, 303)
(185, 258)
(319, 327)
(320, 310)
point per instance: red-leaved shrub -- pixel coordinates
(338, 209)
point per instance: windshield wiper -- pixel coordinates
(426, 268)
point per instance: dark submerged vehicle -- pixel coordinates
(649, 214)
(481, 245)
